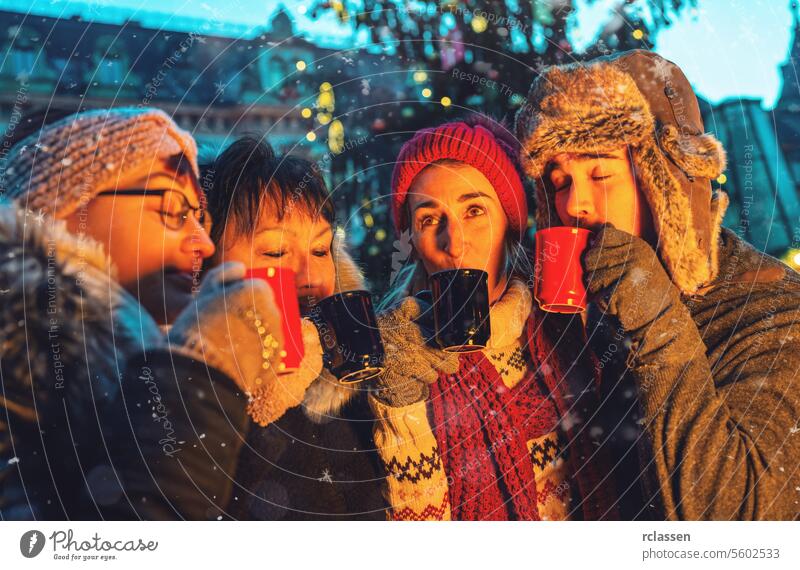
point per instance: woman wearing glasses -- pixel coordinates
(79, 327)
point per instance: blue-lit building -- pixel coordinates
(763, 175)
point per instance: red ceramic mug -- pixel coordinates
(282, 283)
(559, 286)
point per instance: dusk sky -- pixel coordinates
(727, 48)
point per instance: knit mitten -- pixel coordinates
(411, 365)
(278, 393)
(234, 325)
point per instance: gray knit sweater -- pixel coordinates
(712, 430)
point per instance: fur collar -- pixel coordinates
(63, 288)
(509, 314)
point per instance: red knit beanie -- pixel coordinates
(476, 145)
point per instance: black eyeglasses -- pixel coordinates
(175, 206)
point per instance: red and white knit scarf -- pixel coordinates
(482, 427)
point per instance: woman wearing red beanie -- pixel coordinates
(497, 434)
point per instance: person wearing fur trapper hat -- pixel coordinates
(485, 435)
(617, 145)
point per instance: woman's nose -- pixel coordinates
(453, 239)
(300, 267)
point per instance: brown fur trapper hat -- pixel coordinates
(635, 98)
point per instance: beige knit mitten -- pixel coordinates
(411, 364)
(280, 392)
(234, 325)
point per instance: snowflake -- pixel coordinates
(365, 87)
(639, 276)
(326, 476)
(220, 86)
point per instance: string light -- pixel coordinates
(306, 113)
(336, 137)
(638, 34)
(722, 179)
(446, 102)
(792, 258)
(311, 136)
(300, 65)
(479, 24)
(427, 92)
(420, 76)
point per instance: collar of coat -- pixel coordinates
(62, 287)
(509, 314)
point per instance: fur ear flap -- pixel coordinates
(687, 264)
(348, 275)
(719, 204)
(697, 155)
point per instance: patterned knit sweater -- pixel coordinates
(418, 480)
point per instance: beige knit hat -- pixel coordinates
(641, 100)
(68, 163)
